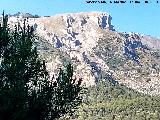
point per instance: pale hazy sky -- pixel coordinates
(142, 18)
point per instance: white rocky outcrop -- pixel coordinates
(77, 34)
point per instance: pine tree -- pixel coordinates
(25, 90)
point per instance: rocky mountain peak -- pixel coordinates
(96, 50)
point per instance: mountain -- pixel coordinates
(24, 15)
(97, 50)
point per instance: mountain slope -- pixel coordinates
(97, 51)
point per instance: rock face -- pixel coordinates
(97, 51)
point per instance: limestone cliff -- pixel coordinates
(97, 51)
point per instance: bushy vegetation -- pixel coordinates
(26, 92)
(116, 102)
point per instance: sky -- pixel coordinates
(140, 17)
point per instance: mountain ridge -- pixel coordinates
(97, 50)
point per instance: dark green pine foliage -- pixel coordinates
(66, 99)
(26, 93)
